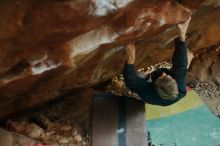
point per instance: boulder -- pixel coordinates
(48, 48)
(209, 71)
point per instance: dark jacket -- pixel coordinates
(146, 89)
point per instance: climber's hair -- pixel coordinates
(166, 87)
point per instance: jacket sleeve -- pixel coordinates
(180, 63)
(134, 82)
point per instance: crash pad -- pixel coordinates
(189, 122)
(118, 121)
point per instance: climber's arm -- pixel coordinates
(180, 59)
(134, 82)
(182, 30)
(179, 69)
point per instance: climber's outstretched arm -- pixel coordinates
(134, 82)
(181, 59)
(182, 30)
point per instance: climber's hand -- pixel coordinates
(183, 28)
(130, 52)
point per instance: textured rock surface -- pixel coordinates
(206, 67)
(13, 139)
(64, 122)
(50, 47)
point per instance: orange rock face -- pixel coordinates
(50, 47)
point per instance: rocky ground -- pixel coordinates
(65, 122)
(210, 93)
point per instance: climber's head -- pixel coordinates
(166, 87)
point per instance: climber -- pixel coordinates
(162, 87)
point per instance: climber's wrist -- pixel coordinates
(183, 37)
(130, 60)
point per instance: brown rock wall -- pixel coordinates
(206, 67)
(50, 47)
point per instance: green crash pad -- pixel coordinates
(189, 122)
